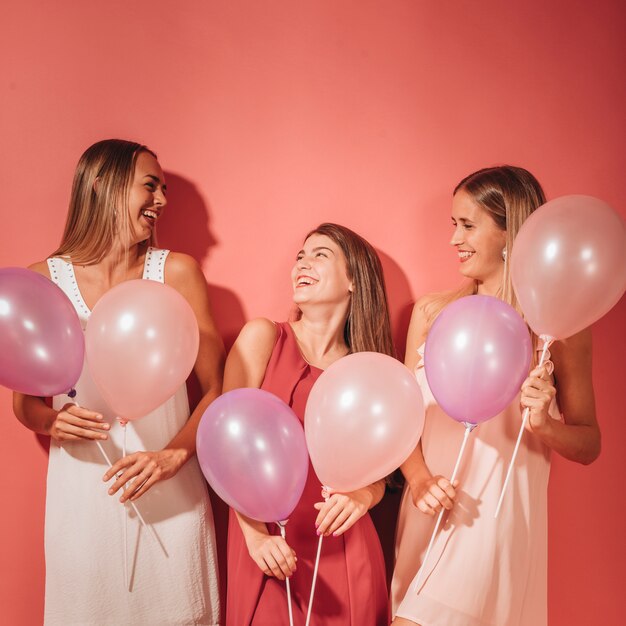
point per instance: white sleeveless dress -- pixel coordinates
(481, 571)
(172, 583)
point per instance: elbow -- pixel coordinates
(592, 452)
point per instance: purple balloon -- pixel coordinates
(252, 451)
(477, 356)
(41, 340)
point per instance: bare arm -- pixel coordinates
(577, 438)
(245, 367)
(429, 493)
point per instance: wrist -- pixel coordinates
(417, 483)
(178, 457)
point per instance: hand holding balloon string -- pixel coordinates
(435, 493)
(144, 469)
(340, 511)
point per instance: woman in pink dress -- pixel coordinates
(486, 571)
(342, 308)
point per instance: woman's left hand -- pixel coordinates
(141, 470)
(341, 511)
(537, 394)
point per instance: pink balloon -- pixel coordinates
(252, 451)
(41, 339)
(476, 357)
(568, 264)
(141, 344)
(363, 418)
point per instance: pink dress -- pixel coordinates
(351, 586)
(481, 571)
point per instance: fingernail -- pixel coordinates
(334, 534)
(106, 426)
(316, 525)
(319, 532)
(103, 437)
(110, 492)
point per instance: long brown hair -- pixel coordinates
(509, 195)
(98, 209)
(368, 326)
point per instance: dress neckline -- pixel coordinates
(297, 343)
(78, 295)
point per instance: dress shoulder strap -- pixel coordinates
(62, 275)
(154, 265)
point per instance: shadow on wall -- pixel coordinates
(185, 227)
(400, 301)
(400, 297)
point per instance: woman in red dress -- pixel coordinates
(342, 308)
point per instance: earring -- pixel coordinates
(504, 254)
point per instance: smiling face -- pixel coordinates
(320, 274)
(478, 240)
(146, 199)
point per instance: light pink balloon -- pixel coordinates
(141, 343)
(363, 418)
(568, 264)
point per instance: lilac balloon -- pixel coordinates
(476, 357)
(252, 451)
(41, 340)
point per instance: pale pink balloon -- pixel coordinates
(141, 343)
(363, 418)
(568, 264)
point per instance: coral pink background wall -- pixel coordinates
(270, 117)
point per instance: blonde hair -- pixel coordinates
(368, 326)
(509, 195)
(98, 209)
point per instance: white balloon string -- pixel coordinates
(107, 460)
(126, 581)
(317, 562)
(547, 342)
(468, 429)
(281, 525)
(325, 491)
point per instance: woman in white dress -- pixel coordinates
(102, 565)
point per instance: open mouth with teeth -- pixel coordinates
(150, 215)
(464, 255)
(305, 281)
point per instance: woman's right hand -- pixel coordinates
(73, 423)
(272, 554)
(434, 493)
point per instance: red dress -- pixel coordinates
(351, 588)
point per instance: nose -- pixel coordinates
(457, 238)
(160, 198)
(303, 263)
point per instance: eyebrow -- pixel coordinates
(317, 250)
(156, 179)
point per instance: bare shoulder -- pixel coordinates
(418, 327)
(259, 335)
(248, 358)
(180, 268)
(41, 267)
(424, 309)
